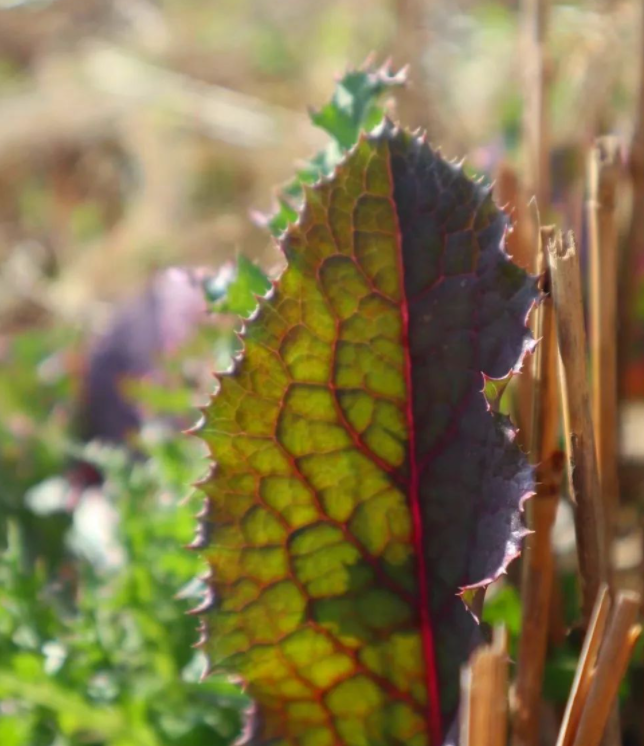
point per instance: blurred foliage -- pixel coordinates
(95, 644)
(110, 661)
(36, 399)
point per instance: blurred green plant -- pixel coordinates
(116, 666)
(36, 401)
(95, 644)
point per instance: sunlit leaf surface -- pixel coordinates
(361, 481)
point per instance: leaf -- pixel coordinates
(362, 481)
(354, 106)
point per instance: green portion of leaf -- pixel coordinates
(497, 393)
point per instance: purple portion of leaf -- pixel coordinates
(467, 307)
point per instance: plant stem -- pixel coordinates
(604, 176)
(590, 525)
(536, 156)
(630, 280)
(580, 438)
(615, 652)
(534, 14)
(583, 675)
(538, 562)
(484, 686)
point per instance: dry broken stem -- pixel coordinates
(538, 563)
(585, 666)
(614, 654)
(580, 440)
(484, 690)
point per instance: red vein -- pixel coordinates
(434, 714)
(355, 436)
(387, 686)
(385, 579)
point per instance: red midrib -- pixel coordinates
(431, 678)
